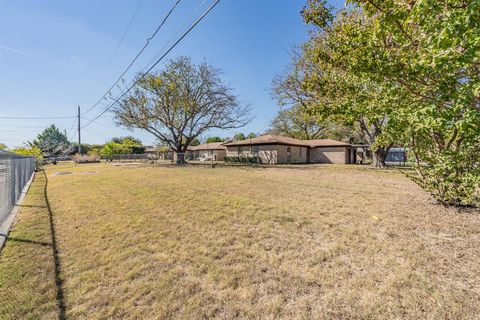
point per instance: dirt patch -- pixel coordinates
(87, 172)
(61, 173)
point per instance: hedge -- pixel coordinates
(249, 160)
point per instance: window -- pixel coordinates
(289, 149)
(300, 151)
(255, 149)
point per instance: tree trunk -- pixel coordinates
(379, 156)
(180, 157)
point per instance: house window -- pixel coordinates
(255, 149)
(289, 149)
(300, 151)
(239, 150)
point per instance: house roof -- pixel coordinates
(208, 146)
(326, 143)
(271, 139)
(267, 139)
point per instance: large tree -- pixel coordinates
(415, 66)
(306, 114)
(335, 91)
(179, 103)
(52, 142)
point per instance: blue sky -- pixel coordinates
(53, 53)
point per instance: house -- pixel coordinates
(215, 151)
(273, 149)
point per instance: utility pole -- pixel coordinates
(79, 140)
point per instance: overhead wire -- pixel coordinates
(122, 38)
(190, 20)
(156, 62)
(134, 59)
(37, 118)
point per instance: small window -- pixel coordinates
(255, 149)
(300, 152)
(289, 149)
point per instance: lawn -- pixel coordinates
(326, 242)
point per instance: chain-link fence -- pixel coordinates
(15, 172)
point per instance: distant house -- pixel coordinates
(215, 151)
(273, 149)
(158, 153)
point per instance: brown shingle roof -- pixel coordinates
(267, 139)
(271, 139)
(208, 146)
(326, 143)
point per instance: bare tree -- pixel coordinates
(180, 103)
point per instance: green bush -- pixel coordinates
(246, 160)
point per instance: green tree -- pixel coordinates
(3, 146)
(128, 145)
(307, 110)
(298, 124)
(181, 102)
(214, 139)
(95, 151)
(413, 66)
(251, 135)
(128, 140)
(195, 142)
(52, 142)
(239, 136)
(110, 149)
(29, 149)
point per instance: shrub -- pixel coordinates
(85, 158)
(247, 160)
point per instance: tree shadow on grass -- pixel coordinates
(45, 244)
(56, 259)
(48, 228)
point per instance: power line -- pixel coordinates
(20, 126)
(72, 127)
(135, 58)
(172, 39)
(37, 118)
(116, 49)
(157, 62)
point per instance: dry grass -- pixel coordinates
(192, 243)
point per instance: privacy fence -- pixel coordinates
(15, 172)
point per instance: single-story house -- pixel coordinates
(273, 149)
(215, 151)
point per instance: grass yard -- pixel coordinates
(333, 242)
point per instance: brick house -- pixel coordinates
(283, 150)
